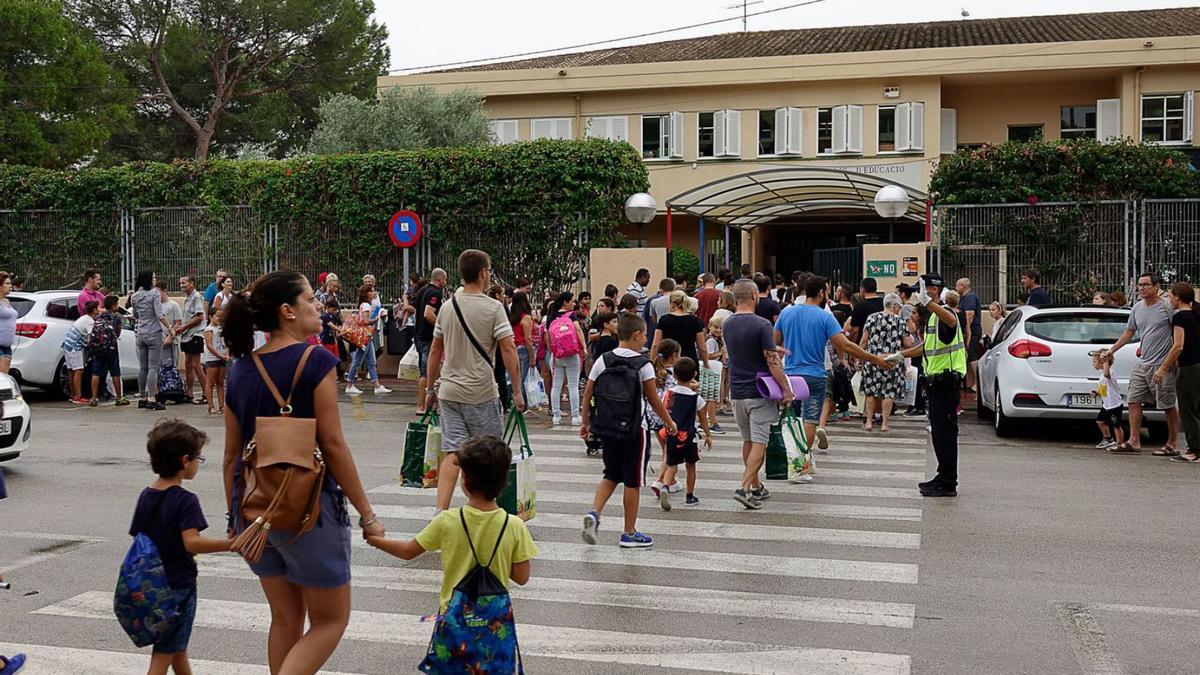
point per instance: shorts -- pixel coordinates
(176, 639)
(214, 364)
(625, 459)
(74, 360)
(464, 421)
(319, 558)
(682, 452)
(423, 356)
(1143, 388)
(974, 349)
(106, 364)
(5, 351)
(1111, 416)
(809, 410)
(193, 346)
(754, 417)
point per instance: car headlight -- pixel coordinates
(16, 390)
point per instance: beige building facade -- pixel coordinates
(778, 141)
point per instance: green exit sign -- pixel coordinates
(881, 268)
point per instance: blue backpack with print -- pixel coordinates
(476, 633)
(144, 602)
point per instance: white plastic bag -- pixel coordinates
(410, 365)
(535, 391)
(859, 399)
(910, 387)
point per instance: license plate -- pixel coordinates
(1084, 401)
(5, 427)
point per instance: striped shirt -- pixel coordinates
(78, 334)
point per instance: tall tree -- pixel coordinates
(401, 119)
(232, 72)
(59, 99)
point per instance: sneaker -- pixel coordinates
(692, 500)
(914, 412)
(716, 429)
(155, 405)
(142, 403)
(927, 484)
(380, 390)
(93, 403)
(591, 523)
(802, 478)
(673, 487)
(747, 500)
(939, 490)
(576, 421)
(353, 391)
(656, 486)
(12, 664)
(79, 400)
(556, 421)
(122, 401)
(664, 499)
(822, 438)
(635, 540)
(761, 493)
(1105, 443)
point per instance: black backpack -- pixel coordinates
(103, 340)
(617, 396)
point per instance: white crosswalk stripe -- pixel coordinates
(781, 590)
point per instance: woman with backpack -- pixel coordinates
(305, 576)
(149, 324)
(568, 349)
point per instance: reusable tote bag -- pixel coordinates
(910, 387)
(520, 494)
(777, 460)
(412, 465)
(433, 456)
(795, 443)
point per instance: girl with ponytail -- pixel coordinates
(316, 565)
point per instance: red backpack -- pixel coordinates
(564, 341)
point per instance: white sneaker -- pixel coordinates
(656, 487)
(677, 486)
(353, 390)
(822, 438)
(802, 478)
(1106, 443)
(380, 390)
(576, 421)
(556, 420)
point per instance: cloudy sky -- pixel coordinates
(434, 32)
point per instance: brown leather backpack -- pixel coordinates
(282, 472)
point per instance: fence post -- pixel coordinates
(128, 263)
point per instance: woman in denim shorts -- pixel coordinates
(306, 576)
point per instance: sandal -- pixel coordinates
(1183, 458)
(1166, 451)
(1124, 449)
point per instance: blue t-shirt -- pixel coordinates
(248, 397)
(746, 336)
(970, 303)
(806, 330)
(1038, 297)
(163, 515)
(210, 293)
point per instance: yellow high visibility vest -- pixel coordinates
(940, 357)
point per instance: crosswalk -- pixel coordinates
(822, 580)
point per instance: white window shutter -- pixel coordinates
(840, 122)
(619, 128)
(733, 130)
(1108, 119)
(854, 128)
(1189, 115)
(949, 132)
(598, 127)
(781, 131)
(903, 126)
(916, 127)
(675, 127)
(562, 128)
(719, 135)
(494, 130)
(508, 131)
(795, 130)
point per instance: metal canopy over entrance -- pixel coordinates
(751, 199)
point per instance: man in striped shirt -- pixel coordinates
(638, 289)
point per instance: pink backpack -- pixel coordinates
(564, 341)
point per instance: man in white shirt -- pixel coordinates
(638, 289)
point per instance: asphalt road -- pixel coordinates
(1055, 558)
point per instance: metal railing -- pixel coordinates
(1170, 238)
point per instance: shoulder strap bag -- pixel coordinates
(470, 336)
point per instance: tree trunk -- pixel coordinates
(203, 140)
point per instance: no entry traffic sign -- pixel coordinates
(405, 229)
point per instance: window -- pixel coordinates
(551, 127)
(887, 128)
(824, 130)
(662, 136)
(1077, 121)
(766, 132)
(503, 131)
(1167, 118)
(704, 135)
(1083, 329)
(611, 128)
(1024, 132)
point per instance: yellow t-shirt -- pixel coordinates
(445, 533)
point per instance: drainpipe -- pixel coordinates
(701, 244)
(669, 241)
(581, 132)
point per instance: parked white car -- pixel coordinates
(1038, 366)
(16, 421)
(42, 322)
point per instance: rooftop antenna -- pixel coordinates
(744, 5)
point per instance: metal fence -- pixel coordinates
(51, 249)
(1079, 248)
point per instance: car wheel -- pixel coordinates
(981, 410)
(63, 380)
(1003, 424)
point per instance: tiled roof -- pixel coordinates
(963, 33)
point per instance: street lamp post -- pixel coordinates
(890, 203)
(640, 209)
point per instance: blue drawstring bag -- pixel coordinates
(145, 605)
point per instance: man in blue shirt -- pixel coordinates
(1031, 279)
(804, 330)
(210, 293)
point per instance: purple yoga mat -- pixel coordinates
(769, 388)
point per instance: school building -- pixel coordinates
(782, 138)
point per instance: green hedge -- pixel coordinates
(339, 204)
(1062, 171)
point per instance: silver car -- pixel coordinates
(1038, 367)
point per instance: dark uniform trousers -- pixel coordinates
(944, 391)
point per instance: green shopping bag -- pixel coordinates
(412, 465)
(777, 460)
(520, 493)
(795, 442)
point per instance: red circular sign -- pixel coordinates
(405, 229)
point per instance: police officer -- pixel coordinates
(945, 355)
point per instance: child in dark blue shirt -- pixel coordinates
(171, 517)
